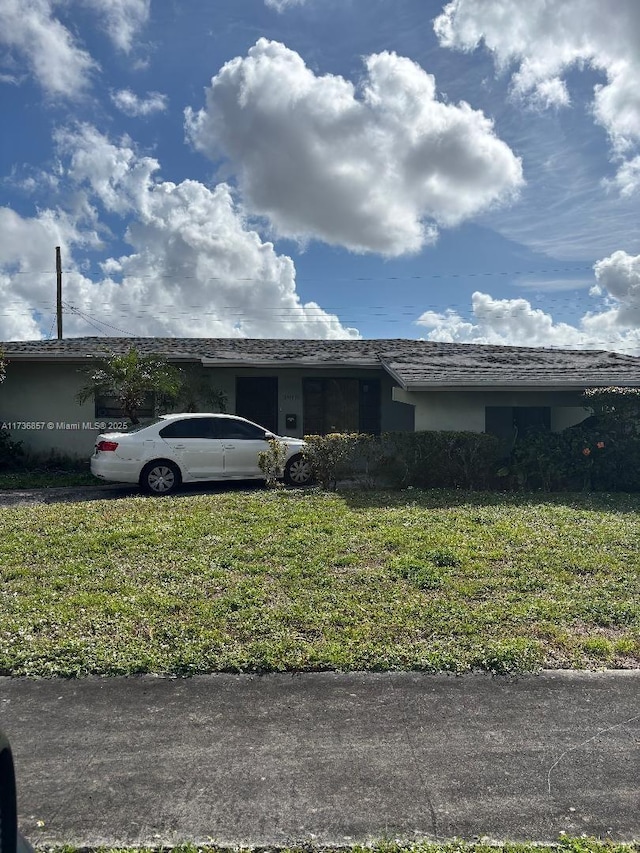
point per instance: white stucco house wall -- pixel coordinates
(298, 387)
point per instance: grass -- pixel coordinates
(565, 845)
(306, 580)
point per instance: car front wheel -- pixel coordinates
(160, 478)
(298, 471)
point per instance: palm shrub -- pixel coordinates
(130, 378)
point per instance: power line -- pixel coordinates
(53, 322)
(141, 306)
(599, 342)
(329, 277)
(88, 318)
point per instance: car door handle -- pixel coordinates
(229, 446)
(178, 446)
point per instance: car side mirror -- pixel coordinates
(268, 436)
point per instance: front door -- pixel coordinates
(341, 405)
(257, 400)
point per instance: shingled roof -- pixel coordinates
(411, 363)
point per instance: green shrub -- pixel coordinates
(427, 460)
(333, 457)
(423, 459)
(585, 458)
(545, 461)
(54, 462)
(12, 455)
(272, 461)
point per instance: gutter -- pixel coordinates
(488, 385)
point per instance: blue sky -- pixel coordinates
(322, 168)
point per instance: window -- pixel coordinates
(109, 407)
(508, 421)
(341, 405)
(190, 428)
(231, 429)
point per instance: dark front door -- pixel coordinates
(257, 400)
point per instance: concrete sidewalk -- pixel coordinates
(325, 758)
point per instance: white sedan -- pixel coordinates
(189, 448)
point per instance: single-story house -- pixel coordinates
(297, 387)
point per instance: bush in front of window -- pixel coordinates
(333, 457)
(601, 454)
(439, 459)
(426, 460)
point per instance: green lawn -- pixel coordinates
(565, 845)
(306, 580)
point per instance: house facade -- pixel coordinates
(300, 387)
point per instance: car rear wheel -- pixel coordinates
(298, 471)
(160, 478)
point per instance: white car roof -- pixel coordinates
(174, 415)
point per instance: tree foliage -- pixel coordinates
(602, 453)
(130, 378)
(195, 393)
(3, 366)
(617, 410)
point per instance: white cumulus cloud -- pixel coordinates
(613, 325)
(31, 33)
(193, 267)
(132, 105)
(281, 5)
(376, 168)
(27, 262)
(122, 19)
(508, 322)
(544, 40)
(618, 276)
(34, 37)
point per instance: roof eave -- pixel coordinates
(495, 386)
(394, 374)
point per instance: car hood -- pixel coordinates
(292, 440)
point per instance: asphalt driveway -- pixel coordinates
(326, 758)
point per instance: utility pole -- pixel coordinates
(59, 292)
